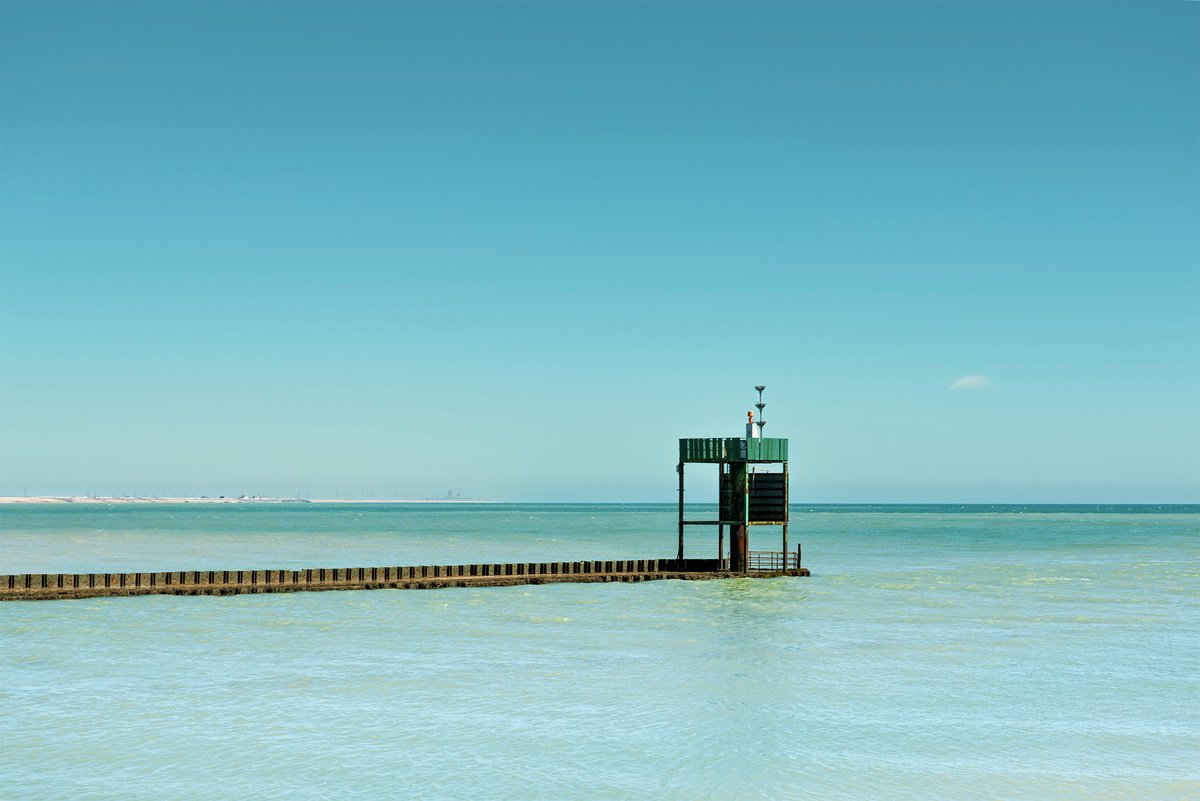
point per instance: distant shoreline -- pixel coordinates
(86, 499)
(392, 500)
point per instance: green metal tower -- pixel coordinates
(750, 493)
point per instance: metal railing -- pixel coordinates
(772, 561)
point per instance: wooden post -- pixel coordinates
(680, 469)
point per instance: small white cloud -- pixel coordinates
(972, 382)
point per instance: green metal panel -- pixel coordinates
(732, 449)
(709, 449)
(767, 450)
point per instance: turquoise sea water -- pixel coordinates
(935, 653)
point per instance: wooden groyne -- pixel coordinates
(50, 586)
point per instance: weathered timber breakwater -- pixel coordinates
(51, 586)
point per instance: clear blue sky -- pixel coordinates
(517, 250)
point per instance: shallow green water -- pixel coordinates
(935, 653)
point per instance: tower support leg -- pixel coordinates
(680, 469)
(722, 513)
(738, 552)
(785, 516)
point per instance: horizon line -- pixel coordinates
(39, 500)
